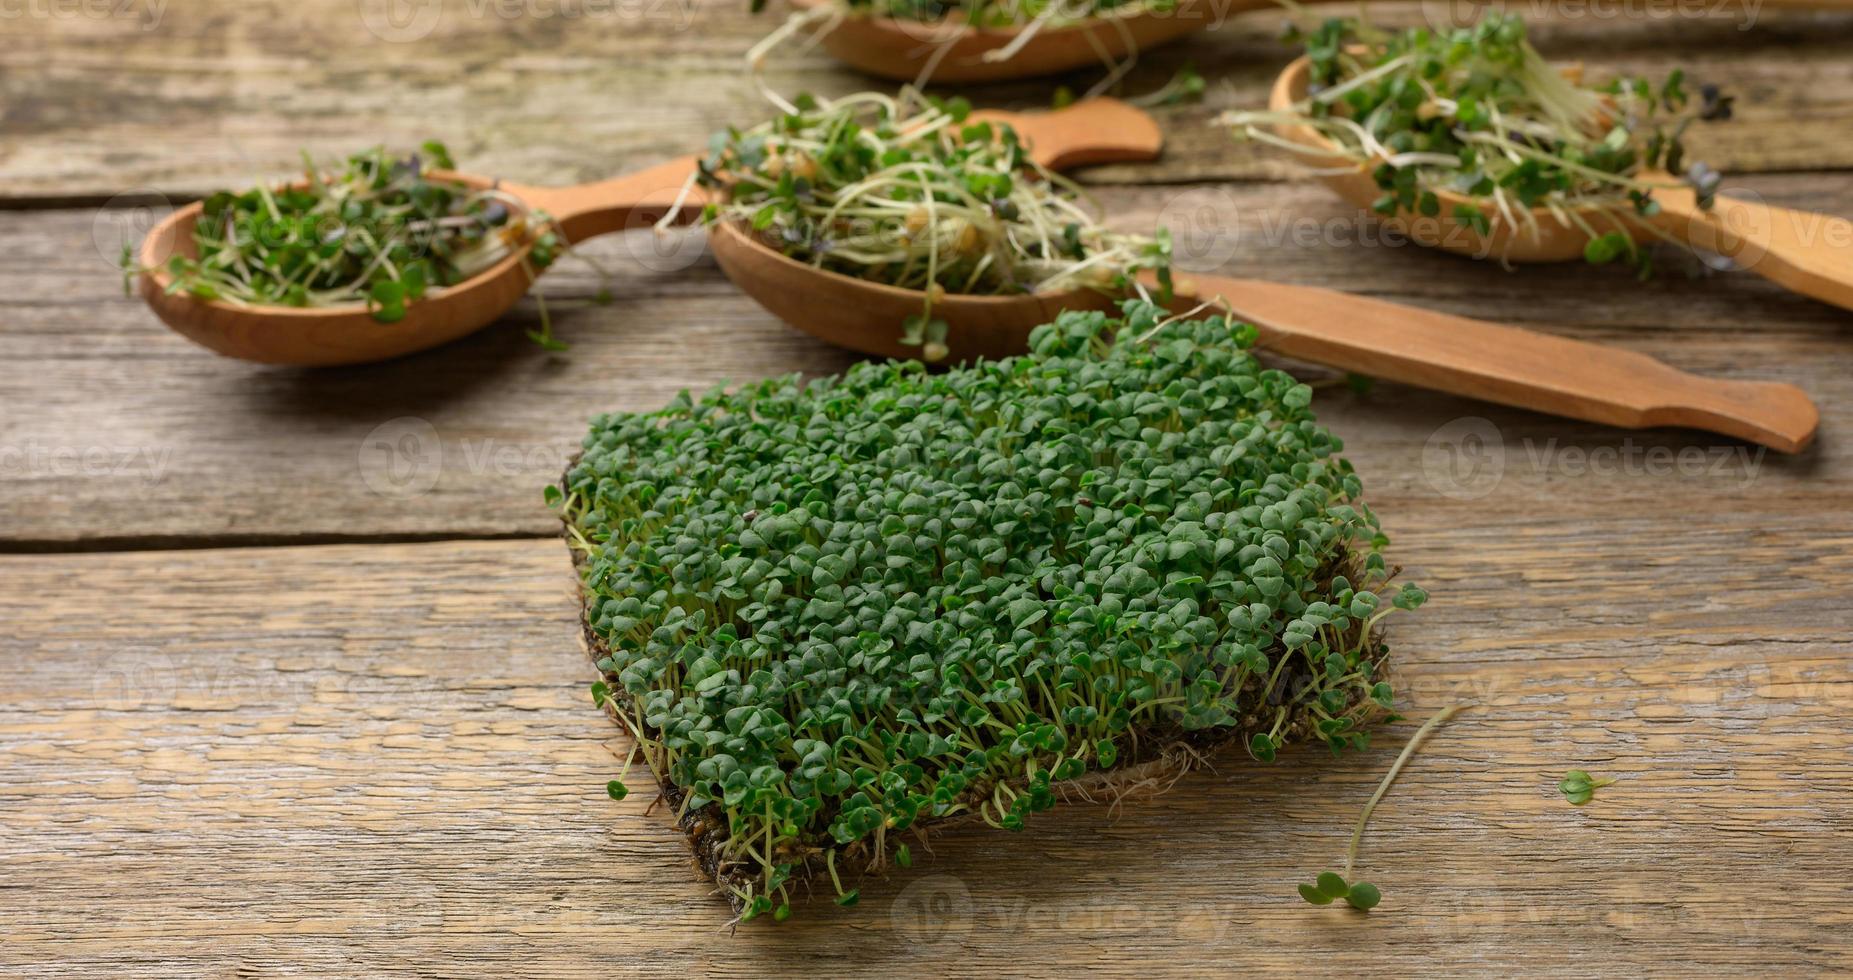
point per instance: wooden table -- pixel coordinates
(291, 682)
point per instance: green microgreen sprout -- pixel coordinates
(1579, 787)
(380, 231)
(1477, 112)
(1362, 895)
(1185, 86)
(909, 191)
(1331, 886)
(831, 611)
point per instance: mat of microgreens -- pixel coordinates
(838, 613)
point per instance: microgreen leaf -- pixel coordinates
(1579, 787)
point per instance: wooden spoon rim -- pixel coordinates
(163, 241)
(949, 303)
(1290, 88)
(950, 28)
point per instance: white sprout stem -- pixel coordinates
(1357, 835)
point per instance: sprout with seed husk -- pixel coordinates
(836, 611)
(906, 190)
(1477, 112)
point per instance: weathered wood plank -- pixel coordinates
(123, 432)
(381, 759)
(209, 95)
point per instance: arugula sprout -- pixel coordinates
(1476, 111)
(1579, 787)
(379, 231)
(1331, 886)
(910, 191)
(832, 611)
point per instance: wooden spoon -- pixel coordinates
(1454, 354)
(901, 49)
(1809, 253)
(1094, 131)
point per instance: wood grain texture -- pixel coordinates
(208, 95)
(382, 760)
(131, 434)
(379, 759)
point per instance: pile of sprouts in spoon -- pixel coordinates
(379, 231)
(1477, 112)
(910, 191)
(1030, 18)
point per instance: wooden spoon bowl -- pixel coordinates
(1489, 361)
(1809, 253)
(866, 316)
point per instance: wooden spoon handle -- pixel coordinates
(631, 201)
(1505, 364)
(1088, 132)
(1807, 252)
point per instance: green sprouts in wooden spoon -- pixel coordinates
(1477, 112)
(907, 190)
(379, 230)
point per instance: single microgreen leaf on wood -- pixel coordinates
(1579, 787)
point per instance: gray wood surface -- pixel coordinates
(292, 677)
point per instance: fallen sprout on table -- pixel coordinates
(1579, 787)
(835, 612)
